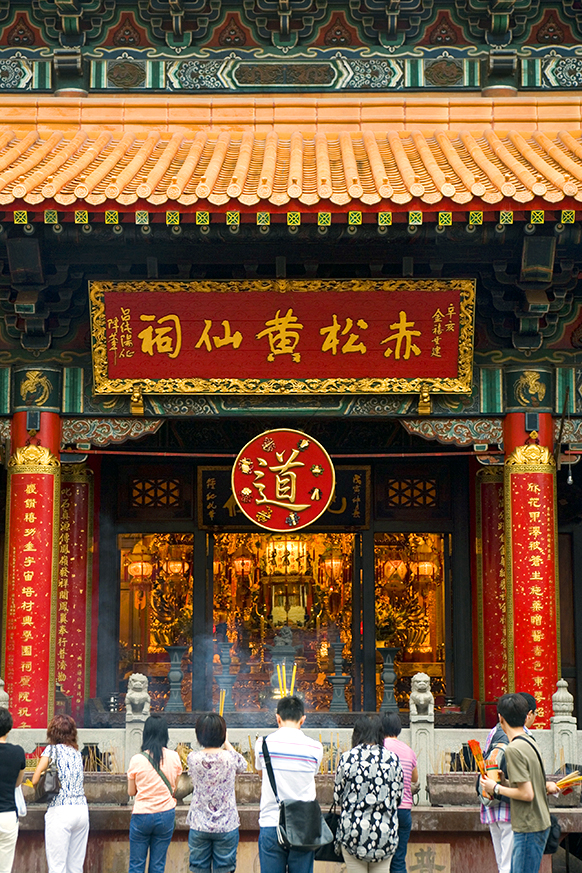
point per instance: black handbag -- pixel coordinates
(555, 834)
(328, 852)
(49, 784)
(301, 824)
(554, 837)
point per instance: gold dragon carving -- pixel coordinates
(32, 383)
(528, 387)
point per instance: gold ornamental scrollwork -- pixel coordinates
(531, 456)
(490, 474)
(32, 457)
(461, 384)
(76, 473)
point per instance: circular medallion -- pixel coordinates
(283, 480)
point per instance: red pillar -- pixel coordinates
(75, 586)
(533, 638)
(491, 586)
(29, 623)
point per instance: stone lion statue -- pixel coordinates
(421, 699)
(137, 699)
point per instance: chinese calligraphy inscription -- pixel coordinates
(286, 336)
(283, 479)
(532, 579)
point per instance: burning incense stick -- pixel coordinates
(569, 780)
(222, 699)
(280, 680)
(293, 679)
(252, 755)
(285, 678)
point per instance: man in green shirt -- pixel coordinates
(527, 790)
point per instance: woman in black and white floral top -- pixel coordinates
(66, 823)
(368, 789)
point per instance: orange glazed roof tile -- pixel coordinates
(229, 167)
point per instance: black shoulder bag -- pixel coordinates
(49, 784)
(553, 840)
(301, 824)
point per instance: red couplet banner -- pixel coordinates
(491, 585)
(532, 578)
(74, 593)
(391, 330)
(29, 602)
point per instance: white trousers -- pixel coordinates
(66, 830)
(8, 837)
(354, 865)
(502, 837)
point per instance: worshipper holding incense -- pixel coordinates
(368, 789)
(152, 776)
(392, 727)
(213, 816)
(66, 823)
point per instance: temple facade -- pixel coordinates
(356, 222)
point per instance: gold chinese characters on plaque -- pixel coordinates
(283, 336)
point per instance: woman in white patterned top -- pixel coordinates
(213, 816)
(66, 823)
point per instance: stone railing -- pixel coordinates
(433, 746)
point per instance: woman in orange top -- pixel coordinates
(151, 778)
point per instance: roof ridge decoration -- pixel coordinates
(218, 167)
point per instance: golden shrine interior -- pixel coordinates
(263, 584)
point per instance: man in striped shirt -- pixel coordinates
(498, 816)
(296, 759)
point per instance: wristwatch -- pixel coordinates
(496, 791)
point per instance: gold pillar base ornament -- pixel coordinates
(531, 456)
(33, 457)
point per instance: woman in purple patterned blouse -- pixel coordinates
(213, 816)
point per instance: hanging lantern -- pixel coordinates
(140, 562)
(395, 570)
(243, 562)
(176, 565)
(332, 563)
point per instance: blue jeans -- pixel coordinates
(398, 864)
(275, 859)
(151, 831)
(213, 852)
(528, 850)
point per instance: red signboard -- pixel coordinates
(29, 609)
(283, 480)
(299, 336)
(491, 584)
(532, 584)
(74, 593)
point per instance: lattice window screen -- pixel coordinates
(412, 493)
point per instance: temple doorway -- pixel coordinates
(276, 594)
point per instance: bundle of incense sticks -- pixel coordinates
(222, 699)
(569, 781)
(475, 747)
